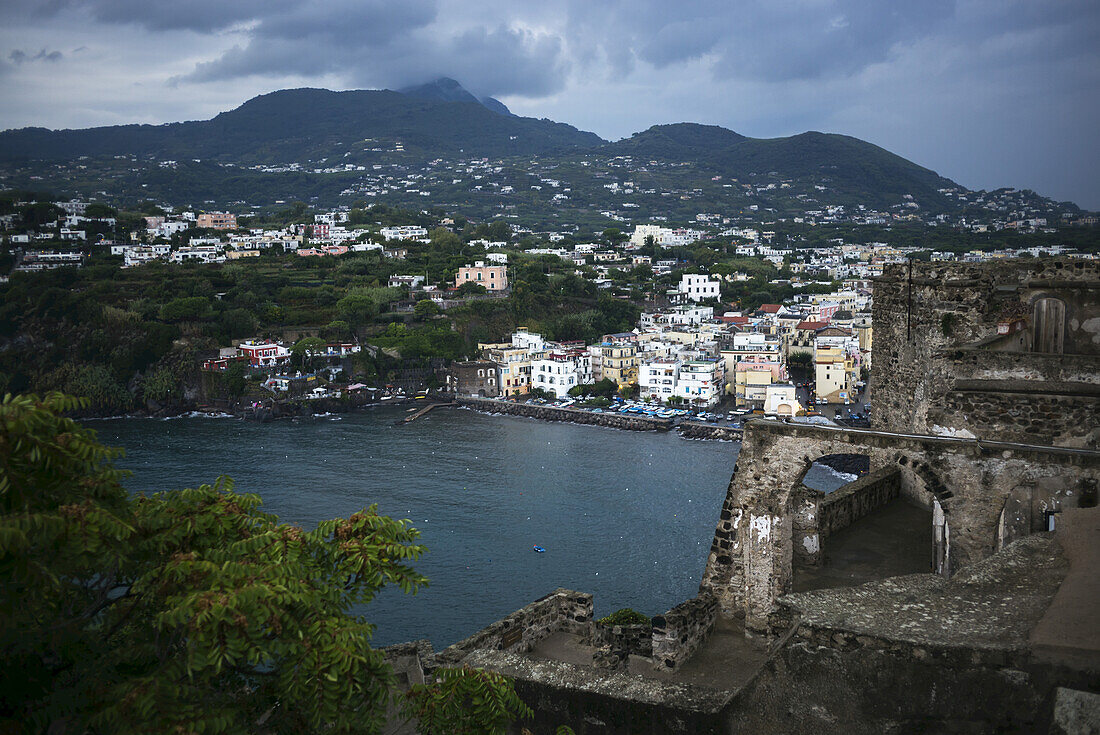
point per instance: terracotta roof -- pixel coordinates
(811, 325)
(770, 308)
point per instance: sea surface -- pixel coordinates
(628, 516)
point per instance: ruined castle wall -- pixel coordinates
(936, 324)
(1022, 415)
(560, 610)
(764, 517)
(847, 504)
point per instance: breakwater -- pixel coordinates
(555, 413)
(694, 430)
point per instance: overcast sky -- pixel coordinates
(989, 93)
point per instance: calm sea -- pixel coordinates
(628, 516)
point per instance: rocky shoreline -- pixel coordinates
(570, 415)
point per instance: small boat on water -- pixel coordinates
(539, 549)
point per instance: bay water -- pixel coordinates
(628, 516)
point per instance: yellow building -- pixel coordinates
(835, 373)
(514, 364)
(619, 362)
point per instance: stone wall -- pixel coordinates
(596, 702)
(561, 610)
(679, 632)
(553, 413)
(936, 324)
(1046, 414)
(839, 509)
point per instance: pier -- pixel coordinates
(413, 417)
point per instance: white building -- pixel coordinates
(557, 372)
(701, 382)
(138, 254)
(780, 399)
(405, 232)
(657, 379)
(200, 253)
(699, 288)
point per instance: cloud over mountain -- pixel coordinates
(957, 83)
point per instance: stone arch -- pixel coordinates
(1048, 325)
(1015, 520)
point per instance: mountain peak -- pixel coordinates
(445, 89)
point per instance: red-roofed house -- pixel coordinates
(802, 338)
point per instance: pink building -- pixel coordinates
(492, 277)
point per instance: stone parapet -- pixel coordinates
(679, 632)
(561, 610)
(633, 640)
(609, 702)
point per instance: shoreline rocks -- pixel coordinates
(555, 413)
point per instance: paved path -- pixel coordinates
(1069, 632)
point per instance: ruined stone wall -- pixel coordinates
(1013, 412)
(917, 653)
(839, 509)
(924, 313)
(553, 413)
(680, 631)
(765, 514)
(562, 609)
(631, 640)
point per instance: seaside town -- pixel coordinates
(691, 349)
(421, 368)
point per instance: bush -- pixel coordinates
(626, 616)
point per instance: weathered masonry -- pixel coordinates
(1007, 351)
(982, 495)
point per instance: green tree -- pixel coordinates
(336, 331)
(162, 385)
(464, 701)
(238, 323)
(186, 308)
(184, 611)
(425, 309)
(236, 377)
(304, 351)
(469, 288)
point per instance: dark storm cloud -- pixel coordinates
(19, 56)
(759, 39)
(391, 44)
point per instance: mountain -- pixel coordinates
(446, 89)
(847, 165)
(680, 141)
(312, 124)
(242, 156)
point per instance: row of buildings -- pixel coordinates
(686, 355)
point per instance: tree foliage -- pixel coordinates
(464, 701)
(185, 611)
